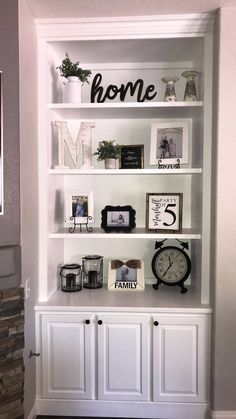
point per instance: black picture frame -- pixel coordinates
(132, 156)
(118, 218)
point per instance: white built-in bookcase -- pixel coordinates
(125, 49)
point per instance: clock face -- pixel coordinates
(171, 265)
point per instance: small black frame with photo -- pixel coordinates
(118, 219)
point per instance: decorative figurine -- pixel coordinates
(190, 94)
(170, 95)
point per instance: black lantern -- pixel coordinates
(92, 268)
(70, 277)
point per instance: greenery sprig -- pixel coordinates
(68, 69)
(107, 150)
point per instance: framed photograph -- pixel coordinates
(79, 205)
(126, 275)
(117, 218)
(170, 141)
(164, 212)
(132, 156)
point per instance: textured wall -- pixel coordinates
(10, 220)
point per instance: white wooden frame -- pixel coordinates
(133, 282)
(164, 212)
(176, 130)
(156, 27)
(70, 199)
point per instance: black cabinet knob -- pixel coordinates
(99, 321)
(87, 321)
(156, 323)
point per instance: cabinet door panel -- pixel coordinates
(123, 358)
(66, 354)
(179, 359)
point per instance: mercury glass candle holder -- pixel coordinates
(170, 95)
(190, 94)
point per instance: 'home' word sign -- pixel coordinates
(97, 91)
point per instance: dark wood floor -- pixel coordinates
(70, 417)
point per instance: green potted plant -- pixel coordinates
(76, 76)
(109, 152)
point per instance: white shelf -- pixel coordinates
(186, 171)
(138, 233)
(115, 105)
(165, 299)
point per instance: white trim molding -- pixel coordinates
(33, 413)
(125, 27)
(223, 414)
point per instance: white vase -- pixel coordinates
(73, 90)
(110, 163)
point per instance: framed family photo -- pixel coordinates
(126, 275)
(170, 141)
(118, 218)
(79, 207)
(164, 212)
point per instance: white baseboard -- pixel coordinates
(223, 414)
(33, 413)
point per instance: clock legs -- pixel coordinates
(183, 289)
(181, 285)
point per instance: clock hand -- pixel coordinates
(167, 268)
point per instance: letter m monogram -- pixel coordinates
(79, 151)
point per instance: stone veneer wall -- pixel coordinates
(11, 353)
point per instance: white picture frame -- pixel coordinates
(170, 141)
(79, 207)
(126, 275)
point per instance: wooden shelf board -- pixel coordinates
(112, 105)
(181, 171)
(138, 233)
(165, 299)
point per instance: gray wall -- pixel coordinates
(10, 220)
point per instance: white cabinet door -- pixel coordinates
(123, 357)
(180, 358)
(67, 356)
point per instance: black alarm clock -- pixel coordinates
(171, 265)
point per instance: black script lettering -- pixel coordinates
(149, 89)
(132, 87)
(109, 95)
(97, 91)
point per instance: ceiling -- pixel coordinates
(99, 8)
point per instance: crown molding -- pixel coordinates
(126, 27)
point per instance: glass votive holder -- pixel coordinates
(92, 271)
(71, 280)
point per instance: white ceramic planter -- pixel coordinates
(110, 163)
(73, 90)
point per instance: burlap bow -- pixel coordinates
(132, 263)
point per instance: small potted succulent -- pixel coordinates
(109, 152)
(75, 76)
